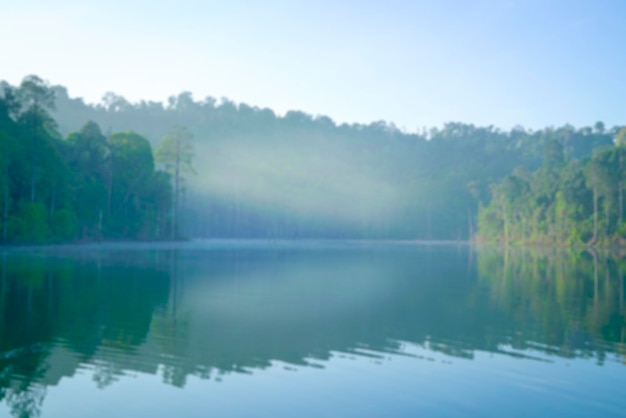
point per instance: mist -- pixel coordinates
(314, 180)
(254, 174)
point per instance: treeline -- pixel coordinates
(303, 176)
(84, 186)
(435, 177)
(429, 184)
(569, 200)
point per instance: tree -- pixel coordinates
(132, 165)
(553, 155)
(176, 154)
(606, 167)
(594, 177)
(36, 98)
(509, 196)
(7, 151)
(87, 156)
(620, 142)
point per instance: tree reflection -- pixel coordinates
(177, 313)
(576, 297)
(58, 311)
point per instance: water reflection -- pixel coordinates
(569, 304)
(207, 312)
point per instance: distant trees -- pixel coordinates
(176, 154)
(450, 182)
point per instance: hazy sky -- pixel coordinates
(416, 63)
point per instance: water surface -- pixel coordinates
(236, 328)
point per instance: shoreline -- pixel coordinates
(295, 243)
(235, 242)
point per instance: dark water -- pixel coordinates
(310, 329)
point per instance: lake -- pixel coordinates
(321, 329)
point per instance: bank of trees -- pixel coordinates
(569, 200)
(428, 184)
(261, 175)
(85, 186)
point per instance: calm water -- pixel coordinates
(310, 329)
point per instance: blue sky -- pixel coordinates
(415, 63)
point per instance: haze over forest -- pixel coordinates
(254, 174)
(258, 174)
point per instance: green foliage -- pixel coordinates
(426, 185)
(29, 223)
(574, 204)
(176, 151)
(63, 225)
(620, 138)
(259, 170)
(131, 180)
(554, 157)
(84, 187)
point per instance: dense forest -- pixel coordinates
(77, 187)
(569, 200)
(260, 175)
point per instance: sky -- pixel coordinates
(416, 63)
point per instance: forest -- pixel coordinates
(74, 171)
(569, 200)
(82, 186)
